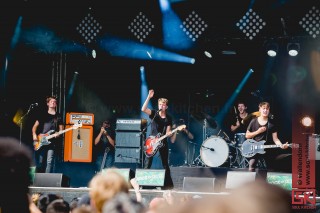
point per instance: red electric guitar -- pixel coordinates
(153, 143)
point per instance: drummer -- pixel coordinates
(237, 124)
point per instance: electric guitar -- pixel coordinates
(153, 143)
(251, 147)
(43, 139)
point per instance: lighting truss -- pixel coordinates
(311, 22)
(141, 27)
(193, 26)
(89, 28)
(251, 24)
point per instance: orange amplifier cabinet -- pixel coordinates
(85, 118)
(78, 142)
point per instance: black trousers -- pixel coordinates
(164, 155)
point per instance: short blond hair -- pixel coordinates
(106, 185)
(264, 103)
(163, 100)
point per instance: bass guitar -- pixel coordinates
(251, 147)
(153, 143)
(43, 139)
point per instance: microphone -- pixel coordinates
(33, 105)
(271, 116)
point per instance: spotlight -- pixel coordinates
(293, 49)
(272, 49)
(94, 54)
(208, 54)
(306, 121)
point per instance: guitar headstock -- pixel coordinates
(181, 127)
(76, 126)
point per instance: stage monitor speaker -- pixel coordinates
(128, 139)
(51, 180)
(127, 173)
(150, 177)
(78, 144)
(198, 184)
(128, 155)
(238, 178)
(283, 180)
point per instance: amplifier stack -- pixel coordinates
(129, 142)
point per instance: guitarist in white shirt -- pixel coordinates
(48, 121)
(261, 128)
(161, 124)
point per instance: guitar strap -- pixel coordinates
(267, 132)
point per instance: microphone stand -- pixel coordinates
(21, 121)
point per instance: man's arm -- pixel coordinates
(277, 141)
(34, 130)
(144, 107)
(250, 135)
(97, 139)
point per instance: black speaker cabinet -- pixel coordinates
(128, 155)
(129, 124)
(128, 139)
(198, 184)
(51, 180)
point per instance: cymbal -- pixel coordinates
(249, 117)
(210, 120)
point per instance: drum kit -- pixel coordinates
(218, 151)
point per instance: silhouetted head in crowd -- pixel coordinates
(58, 206)
(45, 200)
(15, 162)
(123, 203)
(104, 186)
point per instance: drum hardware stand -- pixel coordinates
(198, 161)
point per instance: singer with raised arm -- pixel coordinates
(161, 124)
(48, 123)
(263, 132)
(105, 146)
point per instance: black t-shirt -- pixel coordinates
(48, 122)
(159, 125)
(242, 128)
(267, 135)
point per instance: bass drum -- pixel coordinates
(214, 151)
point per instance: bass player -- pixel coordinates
(46, 122)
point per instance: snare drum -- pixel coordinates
(214, 151)
(239, 138)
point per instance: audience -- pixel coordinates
(58, 206)
(122, 203)
(105, 186)
(15, 162)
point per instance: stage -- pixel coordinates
(202, 181)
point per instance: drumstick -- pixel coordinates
(235, 112)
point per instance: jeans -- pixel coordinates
(44, 160)
(109, 162)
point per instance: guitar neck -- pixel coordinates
(164, 136)
(273, 146)
(59, 133)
